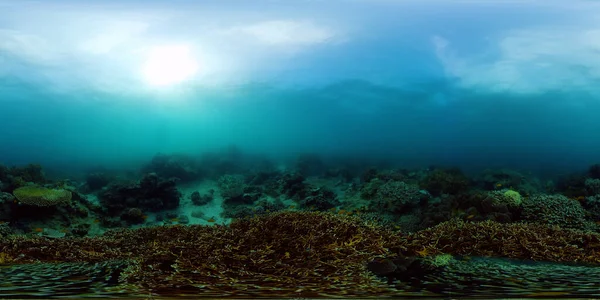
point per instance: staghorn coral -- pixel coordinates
(440, 260)
(517, 240)
(293, 253)
(41, 196)
(319, 251)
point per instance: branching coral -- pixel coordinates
(522, 241)
(294, 253)
(554, 210)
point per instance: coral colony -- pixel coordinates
(220, 225)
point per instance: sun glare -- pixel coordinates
(169, 65)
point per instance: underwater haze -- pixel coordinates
(472, 84)
(299, 149)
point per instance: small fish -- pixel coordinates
(499, 185)
(38, 229)
(341, 212)
(292, 206)
(469, 217)
(175, 220)
(211, 220)
(96, 221)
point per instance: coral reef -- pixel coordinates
(572, 185)
(315, 229)
(394, 196)
(231, 187)
(592, 186)
(15, 177)
(594, 171)
(494, 179)
(445, 181)
(507, 197)
(96, 181)
(183, 167)
(320, 198)
(200, 200)
(151, 193)
(297, 253)
(554, 210)
(40, 196)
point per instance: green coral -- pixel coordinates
(554, 210)
(510, 198)
(514, 197)
(41, 196)
(440, 260)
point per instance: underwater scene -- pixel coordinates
(299, 149)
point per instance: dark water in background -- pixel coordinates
(541, 134)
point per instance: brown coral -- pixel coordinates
(516, 240)
(292, 253)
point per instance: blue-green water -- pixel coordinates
(436, 82)
(244, 87)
